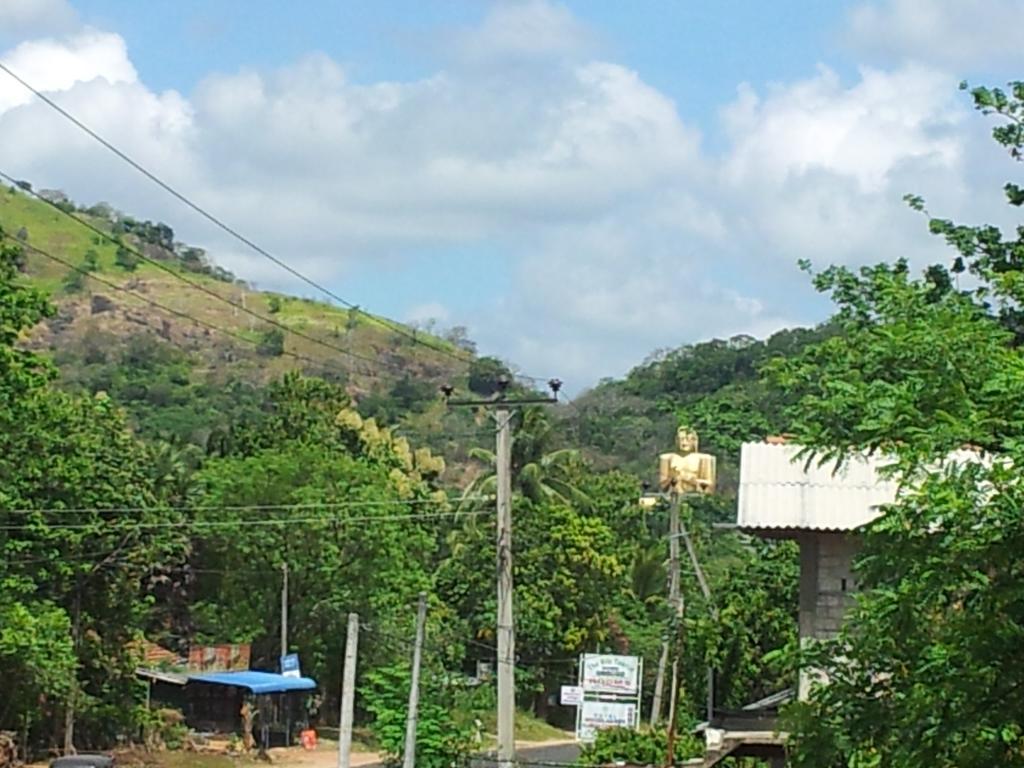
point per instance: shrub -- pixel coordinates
(271, 343)
(125, 259)
(441, 742)
(637, 747)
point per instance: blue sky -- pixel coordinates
(579, 182)
(694, 52)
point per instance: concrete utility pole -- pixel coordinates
(506, 635)
(683, 473)
(348, 693)
(284, 609)
(706, 591)
(505, 615)
(675, 597)
(675, 603)
(409, 756)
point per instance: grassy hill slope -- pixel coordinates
(179, 378)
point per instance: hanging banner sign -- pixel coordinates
(603, 673)
(596, 715)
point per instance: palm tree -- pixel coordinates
(171, 467)
(538, 474)
(648, 574)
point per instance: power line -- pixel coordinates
(161, 306)
(241, 507)
(225, 227)
(196, 284)
(201, 524)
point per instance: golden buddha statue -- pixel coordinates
(688, 471)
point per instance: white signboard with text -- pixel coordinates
(571, 696)
(595, 715)
(605, 673)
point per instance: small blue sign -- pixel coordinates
(290, 665)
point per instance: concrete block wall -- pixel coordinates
(826, 589)
(836, 584)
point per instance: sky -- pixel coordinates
(578, 183)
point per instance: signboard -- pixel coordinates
(290, 665)
(604, 673)
(595, 715)
(218, 658)
(571, 696)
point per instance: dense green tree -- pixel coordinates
(538, 473)
(484, 373)
(349, 507)
(926, 670)
(81, 529)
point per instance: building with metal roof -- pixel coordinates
(781, 494)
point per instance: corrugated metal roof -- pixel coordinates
(777, 491)
(257, 682)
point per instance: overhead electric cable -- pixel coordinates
(199, 286)
(131, 525)
(244, 507)
(164, 307)
(225, 227)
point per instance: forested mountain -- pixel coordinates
(713, 386)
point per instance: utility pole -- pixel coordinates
(409, 756)
(348, 693)
(284, 610)
(505, 616)
(506, 637)
(675, 598)
(675, 603)
(673, 707)
(680, 474)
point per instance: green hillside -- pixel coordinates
(180, 377)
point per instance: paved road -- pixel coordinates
(559, 753)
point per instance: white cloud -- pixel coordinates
(824, 165)
(863, 132)
(21, 18)
(56, 65)
(622, 233)
(965, 35)
(523, 29)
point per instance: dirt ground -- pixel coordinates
(216, 756)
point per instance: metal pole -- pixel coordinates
(506, 635)
(284, 609)
(348, 692)
(409, 756)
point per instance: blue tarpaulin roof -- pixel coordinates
(257, 682)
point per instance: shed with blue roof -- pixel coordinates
(271, 704)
